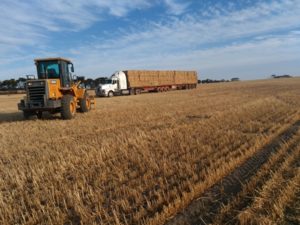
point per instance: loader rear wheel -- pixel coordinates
(85, 103)
(68, 107)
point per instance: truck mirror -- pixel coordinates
(72, 68)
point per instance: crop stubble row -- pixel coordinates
(139, 166)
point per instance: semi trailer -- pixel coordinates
(136, 81)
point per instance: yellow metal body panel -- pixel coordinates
(79, 92)
(54, 88)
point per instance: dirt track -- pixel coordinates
(204, 209)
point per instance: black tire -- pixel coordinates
(39, 114)
(132, 91)
(27, 115)
(110, 94)
(138, 91)
(85, 103)
(68, 107)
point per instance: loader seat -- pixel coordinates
(52, 73)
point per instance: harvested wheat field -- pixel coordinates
(219, 154)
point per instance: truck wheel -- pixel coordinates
(110, 94)
(68, 107)
(85, 103)
(132, 91)
(28, 115)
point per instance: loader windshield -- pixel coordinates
(48, 70)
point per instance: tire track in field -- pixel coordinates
(203, 209)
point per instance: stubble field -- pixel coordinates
(222, 153)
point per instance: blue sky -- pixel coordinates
(250, 39)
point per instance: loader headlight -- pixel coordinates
(53, 81)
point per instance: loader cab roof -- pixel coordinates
(55, 68)
(53, 59)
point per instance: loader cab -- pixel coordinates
(55, 68)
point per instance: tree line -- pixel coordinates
(89, 83)
(19, 84)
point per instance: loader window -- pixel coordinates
(66, 77)
(48, 70)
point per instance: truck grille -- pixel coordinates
(36, 92)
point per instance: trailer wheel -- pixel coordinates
(132, 91)
(85, 103)
(138, 91)
(110, 94)
(68, 107)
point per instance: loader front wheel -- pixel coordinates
(85, 103)
(68, 107)
(39, 114)
(28, 115)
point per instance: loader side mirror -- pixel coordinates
(71, 67)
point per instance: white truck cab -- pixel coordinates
(116, 85)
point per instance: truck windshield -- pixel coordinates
(49, 69)
(106, 81)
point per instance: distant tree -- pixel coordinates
(235, 79)
(9, 84)
(100, 80)
(281, 76)
(207, 81)
(22, 79)
(21, 83)
(89, 83)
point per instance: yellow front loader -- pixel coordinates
(54, 91)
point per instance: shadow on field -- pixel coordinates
(10, 117)
(18, 116)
